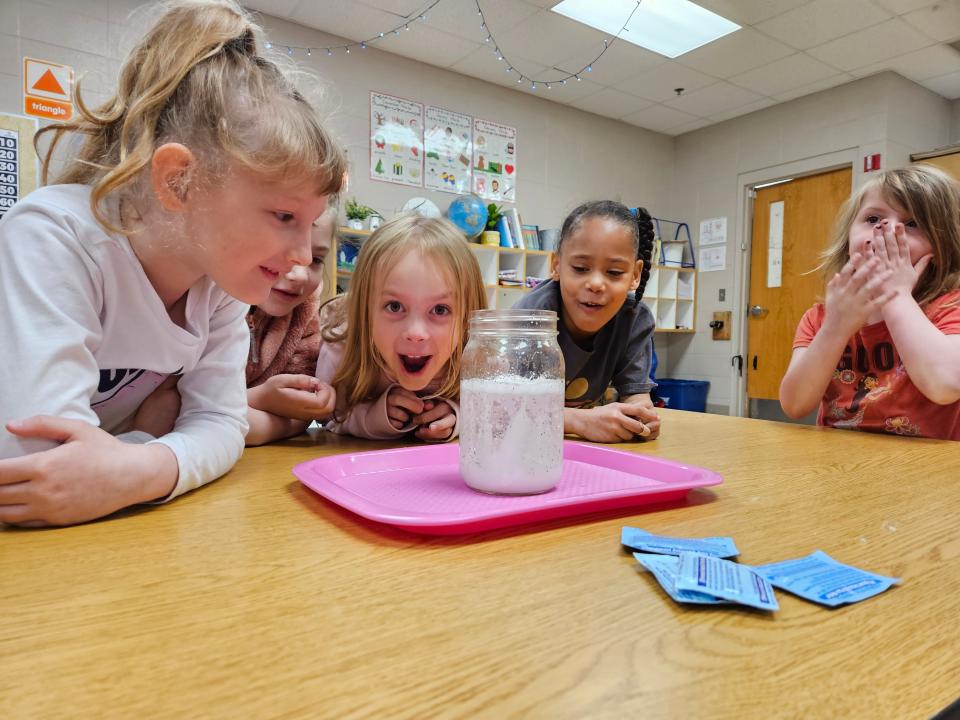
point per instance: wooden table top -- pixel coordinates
(254, 598)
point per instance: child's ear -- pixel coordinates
(169, 170)
(637, 270)
(555, 266)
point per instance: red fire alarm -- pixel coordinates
(871, 162)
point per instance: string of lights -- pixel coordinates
(559, 80)
(362, 44)
(490, 40)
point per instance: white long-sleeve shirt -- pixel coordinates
(85, 336)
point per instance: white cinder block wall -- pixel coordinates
(565, 155)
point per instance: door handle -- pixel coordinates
(757, 310)
(737, 362)
(754, 362)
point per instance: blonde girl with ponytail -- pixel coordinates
(194, 190)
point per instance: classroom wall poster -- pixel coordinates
(9, 170)
(494, 161)
(19, 168)
(447, 150)
(396, 140)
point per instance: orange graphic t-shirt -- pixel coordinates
(871, 390)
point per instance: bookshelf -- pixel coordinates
(335, 273)
(492, 260)
(525, 263)
(671, 295)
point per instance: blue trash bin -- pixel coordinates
(683, 394)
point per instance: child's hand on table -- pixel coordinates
(402, 406)
(301, 397)
(91, 474)
(617, 422)
(436, 422)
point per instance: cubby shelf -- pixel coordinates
(671, 295)
(492, 259)
(526, 263)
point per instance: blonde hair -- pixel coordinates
(196, 79)
(348, 319)
(932, 199)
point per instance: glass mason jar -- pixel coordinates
(511, 402)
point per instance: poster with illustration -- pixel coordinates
(446, 150)
(494, 161)
(396, 140)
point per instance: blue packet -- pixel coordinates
(648, 542)
(665, 569)
(725, 579)
(821, 579)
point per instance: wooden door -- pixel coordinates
(810, 207)
(949, 163)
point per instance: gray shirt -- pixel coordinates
(619, 354)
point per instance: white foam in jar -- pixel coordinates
(511, 434)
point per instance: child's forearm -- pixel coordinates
(810, 372)
(257, 397)
(266, 427)
(573, 419)
(931, 359)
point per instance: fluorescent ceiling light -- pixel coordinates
(668, 27)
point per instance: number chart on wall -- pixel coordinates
(396, 140)
(18, 160)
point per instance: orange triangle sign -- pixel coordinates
(48, 83)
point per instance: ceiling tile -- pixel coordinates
(345, 18)
(743, 109)
(733, 54)
(688, 127)
(871, 45)
(460, 17)
(821, 21)
(714, 99)
(429, 46)
(620, 61)
(482, 64)
(659, 83)
(573, 90)
(277, 8)
(940, 21)
(547, 38)
(926, 63)
(825, 84)
(611, 103)
(750, 12)
(784, 74)
(946, 85)
(660, 118)
(404, 8)
(903, 6)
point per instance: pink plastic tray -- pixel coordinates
(420, 488)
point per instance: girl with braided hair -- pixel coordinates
(194, 191)
(598, 273)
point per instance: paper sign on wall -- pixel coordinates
(713, 258)
(9, 170)
(713, 231)
(494, 161)
(396, 140)
(775, 245)
(447, 150)
(47, 89)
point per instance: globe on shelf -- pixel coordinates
(469, 214)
